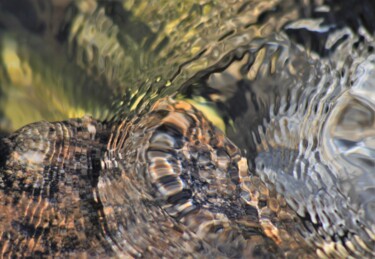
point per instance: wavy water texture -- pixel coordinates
(290, 83)
(308, 129)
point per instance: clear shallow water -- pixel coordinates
(290, 82)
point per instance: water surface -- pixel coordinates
(291, 83)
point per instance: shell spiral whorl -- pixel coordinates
(197, 181)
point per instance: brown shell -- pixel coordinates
(166, 183)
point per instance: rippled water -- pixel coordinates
(291, 83)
